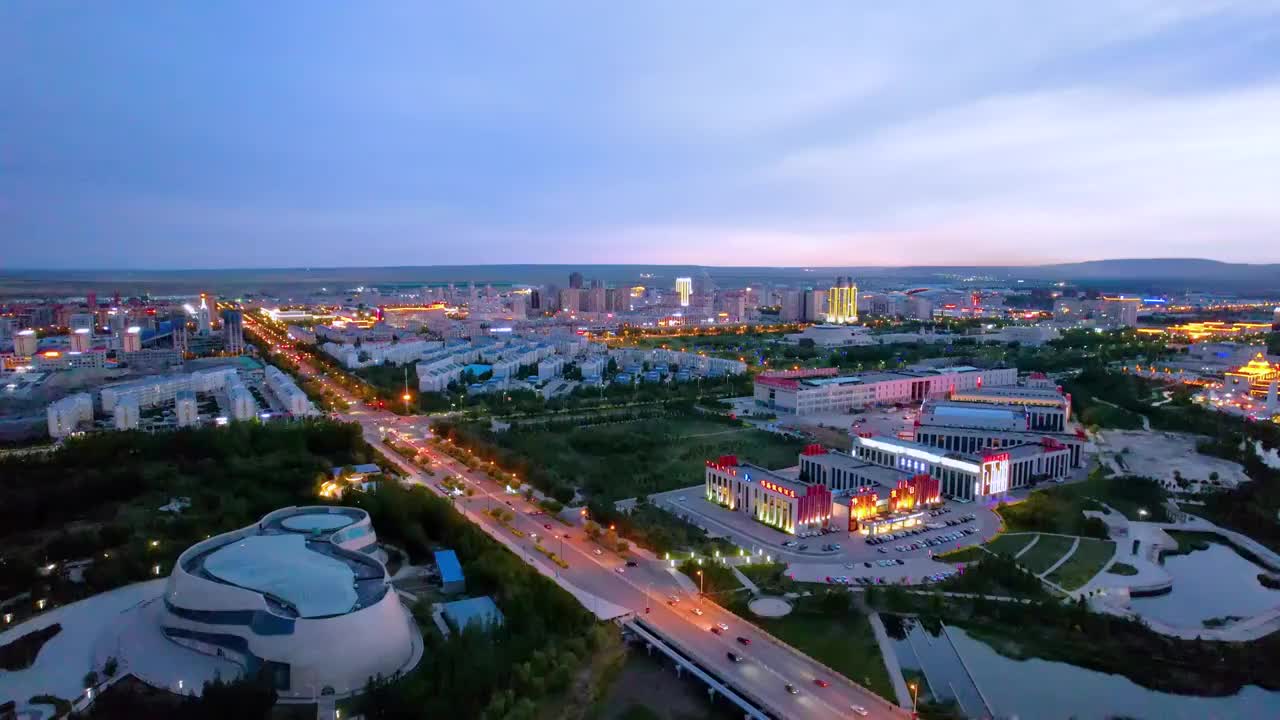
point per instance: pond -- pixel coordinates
(957, 666)
(1213, 583)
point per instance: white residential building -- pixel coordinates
(186, 409)
(67, 414)
(126, 413)
(550, 367)
(243, 406)
(293, 398)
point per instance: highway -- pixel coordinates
(766, 667)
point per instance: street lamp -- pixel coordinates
(915, 688)
(700, 587)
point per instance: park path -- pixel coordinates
(1030, 545)
(1070, 551)
(746, 581)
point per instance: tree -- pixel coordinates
(91, 679)
(109, 668)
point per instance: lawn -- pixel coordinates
(1045, 553)
(1089, 559)
(840, 638)
(626, 459)
(963, 555)
(1122, 569)
(1009, 544)
(1060, 508)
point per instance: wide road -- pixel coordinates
(766, 667)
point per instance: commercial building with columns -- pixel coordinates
(969, 476)
(973, 427)
(790, 506)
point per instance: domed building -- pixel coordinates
(303, 594)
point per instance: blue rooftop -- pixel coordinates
(479, 610)
(450, 568)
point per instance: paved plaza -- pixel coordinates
(1159, 455)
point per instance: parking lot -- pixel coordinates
(837, 545)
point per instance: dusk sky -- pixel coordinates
(238, 134)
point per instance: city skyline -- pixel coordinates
(987, 135)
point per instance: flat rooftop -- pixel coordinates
(283, 567)
(969, 413)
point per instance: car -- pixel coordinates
(619, 570)
(733, 656)
(547, 526)
(792, 689)
(631, 563)
(881, 550)
(716, 630)
(598, 551)
(744, 640)
(803, 547)
(821, 683)
(697, 611)
(674, 599)
(848, 566)
(858, 710)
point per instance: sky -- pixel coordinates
(158, 134)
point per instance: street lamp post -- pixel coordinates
(915, 689)
(700, 587)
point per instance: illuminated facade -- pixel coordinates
(918, 492)
(864, 506)
(684, 288)
(969, 476)
(804, 396)
(1255, 377)
(842, 301)
(1121, 311)
(780, 503)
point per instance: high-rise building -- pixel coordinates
(842, 301)
(8, 326)
(518, 302)
(131, 340)
(570, 299)
(204, 317)
(81, 340)
(596, 299)
(1121, 311)
(178, 326)
(80, 321)
(792, 308)
(25, 343)
(575, 280)
(684, 288)
(233, 331)
(1275, 320)
(815, 305)
(126, 413)
(618, 300)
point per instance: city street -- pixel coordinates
(767, 666)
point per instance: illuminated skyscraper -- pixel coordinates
(684, 288)
(131, 340)
(204, 317)
(842, 301)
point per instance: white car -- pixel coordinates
(722, 626)
(697, 611)
(598, 551)
(858, 709)
(673, 598)
(619, 569)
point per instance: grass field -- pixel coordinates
(644, 456)
(1087, 561)
(963, 555)
(1122, 569)
(1009, 544)
(843, 641)
(1045, 553)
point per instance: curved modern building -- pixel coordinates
(303, 594)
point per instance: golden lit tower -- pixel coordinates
(684, 287)
(842, 301)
